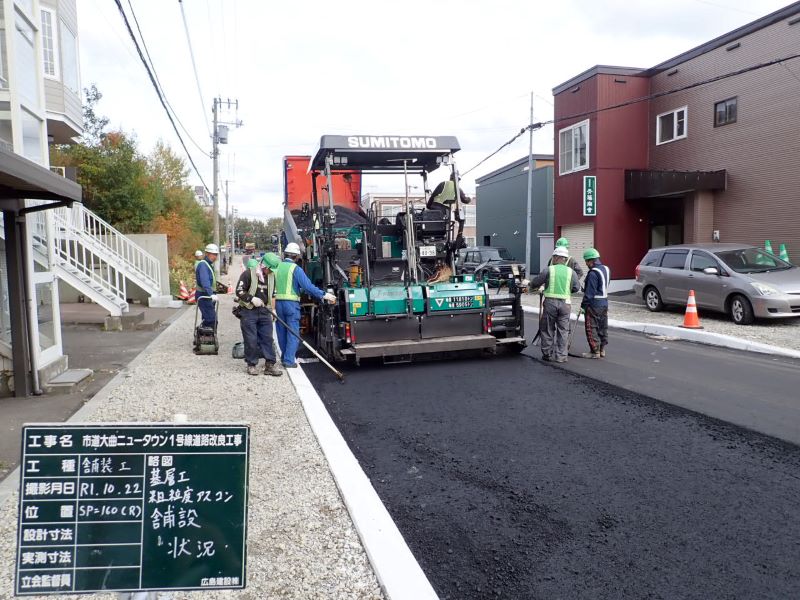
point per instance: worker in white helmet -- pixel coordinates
(207, 285)
(560, 282)
(290, 282)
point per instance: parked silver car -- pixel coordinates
(742, 281)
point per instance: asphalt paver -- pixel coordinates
(512, 478)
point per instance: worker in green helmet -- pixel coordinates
(595, 304)
(563, 242)
(559, 282)
(255, 293)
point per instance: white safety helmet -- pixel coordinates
(292, 248)
(212, 249)
(198, 254)
(561, 251)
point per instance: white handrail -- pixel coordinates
(108, 243)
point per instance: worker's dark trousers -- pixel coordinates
(554, 328)
(597, 328)
(206, 307)
(256, 326)
(289, 311)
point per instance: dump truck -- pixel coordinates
(399, 294)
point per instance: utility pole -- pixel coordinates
(528, 227)
(227, 215)
(220, 136)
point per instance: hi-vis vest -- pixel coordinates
(254, 283)
(448, 193)
(213, 274)
(559, 282)
(284, 282)
(605, 277)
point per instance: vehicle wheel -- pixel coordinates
(653, 300)
(741, 310)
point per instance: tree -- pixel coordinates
(93, 124)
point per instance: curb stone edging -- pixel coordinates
(398, 572)
(691, 335)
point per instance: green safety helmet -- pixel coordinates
(271, 259)
(590, 254)
(562, 243)
(252, 263)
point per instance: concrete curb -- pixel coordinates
(398, 572)
(11, 482)
(695, 335)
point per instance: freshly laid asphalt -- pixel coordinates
(512, 478)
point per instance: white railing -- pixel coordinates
(72, 253)
(107, 243)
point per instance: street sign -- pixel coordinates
(589, 196)
(130, 507)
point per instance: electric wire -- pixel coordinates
(194, 68)
(158, 92)
(688, 86)
(155, 74)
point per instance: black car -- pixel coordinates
(494, 262)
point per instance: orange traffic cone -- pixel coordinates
(183, 293)
(690, 319)
(190, 296)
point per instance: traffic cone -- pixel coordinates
(690, 319)
(768, 247)
(784, 255)
(183, 293)
(190, 296)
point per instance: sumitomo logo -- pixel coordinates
(390, 142)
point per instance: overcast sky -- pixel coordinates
(425, 67)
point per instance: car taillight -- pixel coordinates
(636, 271)
(488, 323)
(348, 334)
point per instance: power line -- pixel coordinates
(535, 126)
(194, 67)
(153, 66)
(158, 92)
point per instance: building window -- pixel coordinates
(725, 112)
(49, 43)
(470, 216)
(25, 62)
(671, 126)
(69, 59)
(573, 148)
(391, 210)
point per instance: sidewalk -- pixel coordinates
(301, 541)
(783, 333)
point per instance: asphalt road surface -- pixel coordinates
(512, 478)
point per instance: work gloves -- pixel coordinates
(257, 302)
(329, 298)
(214, 298)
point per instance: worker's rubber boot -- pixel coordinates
(272, 369)
(591, 355)
(252, 370)
(561, 359)
(603, 353)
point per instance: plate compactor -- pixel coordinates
(205, 338)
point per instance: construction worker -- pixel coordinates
(255, 293)
(198, 256)
(563, 242)
(559, 282)
(595, 304)
(445, 193)
(290, 281)
(207, 285)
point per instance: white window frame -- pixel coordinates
(54, 26)
(572, 128)
(674, 137)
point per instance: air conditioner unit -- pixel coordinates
(59, 171)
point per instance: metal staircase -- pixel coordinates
(93, 257)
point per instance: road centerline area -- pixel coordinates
(510, 478)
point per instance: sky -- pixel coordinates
(423, 67)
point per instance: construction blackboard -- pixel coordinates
(128, 507)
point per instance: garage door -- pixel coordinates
(580, 238)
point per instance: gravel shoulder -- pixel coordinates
(780, 332)
(301, 541)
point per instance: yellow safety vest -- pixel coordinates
(284, 282)
(559, 282)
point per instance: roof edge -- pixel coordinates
(597, 70)
(511, 165)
